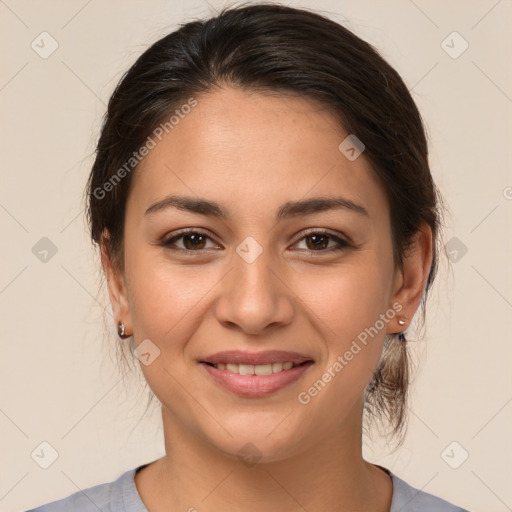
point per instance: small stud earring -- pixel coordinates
(402, 320)
(121, 330)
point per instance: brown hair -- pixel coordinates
(270, 47)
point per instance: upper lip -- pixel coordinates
(255, 358)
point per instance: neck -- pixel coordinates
(330, 475)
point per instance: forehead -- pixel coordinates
(250, 151)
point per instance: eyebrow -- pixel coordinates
(289, 209)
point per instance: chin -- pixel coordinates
(261, 438)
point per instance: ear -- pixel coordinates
(116, 285)
(411, 280)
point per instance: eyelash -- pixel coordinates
(342, 244)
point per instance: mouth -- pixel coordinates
(255, 369)
(255, 374)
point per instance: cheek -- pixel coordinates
(348, 298)
(346, 306)
(169, 300)
(165, 298)
(167, 306)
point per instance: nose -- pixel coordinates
(253, 297)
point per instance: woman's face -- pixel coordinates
(268, 275)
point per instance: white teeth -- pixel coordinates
(254, 369)
(263, 369)
(246, 369)
(277, 367)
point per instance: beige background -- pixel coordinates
(59, 379)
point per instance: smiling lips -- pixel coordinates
(251, 369)
(257, 374)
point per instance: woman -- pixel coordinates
(268, 227)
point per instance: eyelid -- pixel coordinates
(166, 241)
(341, 240)
(323, 231)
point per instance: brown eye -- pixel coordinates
(193, 241)
(196, 241)
(319, 241)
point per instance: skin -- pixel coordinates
(251, 153)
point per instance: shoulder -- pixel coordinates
(120, 494)
(409, 499)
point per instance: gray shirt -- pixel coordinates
(122, 495)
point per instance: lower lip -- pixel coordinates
(256, 385)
